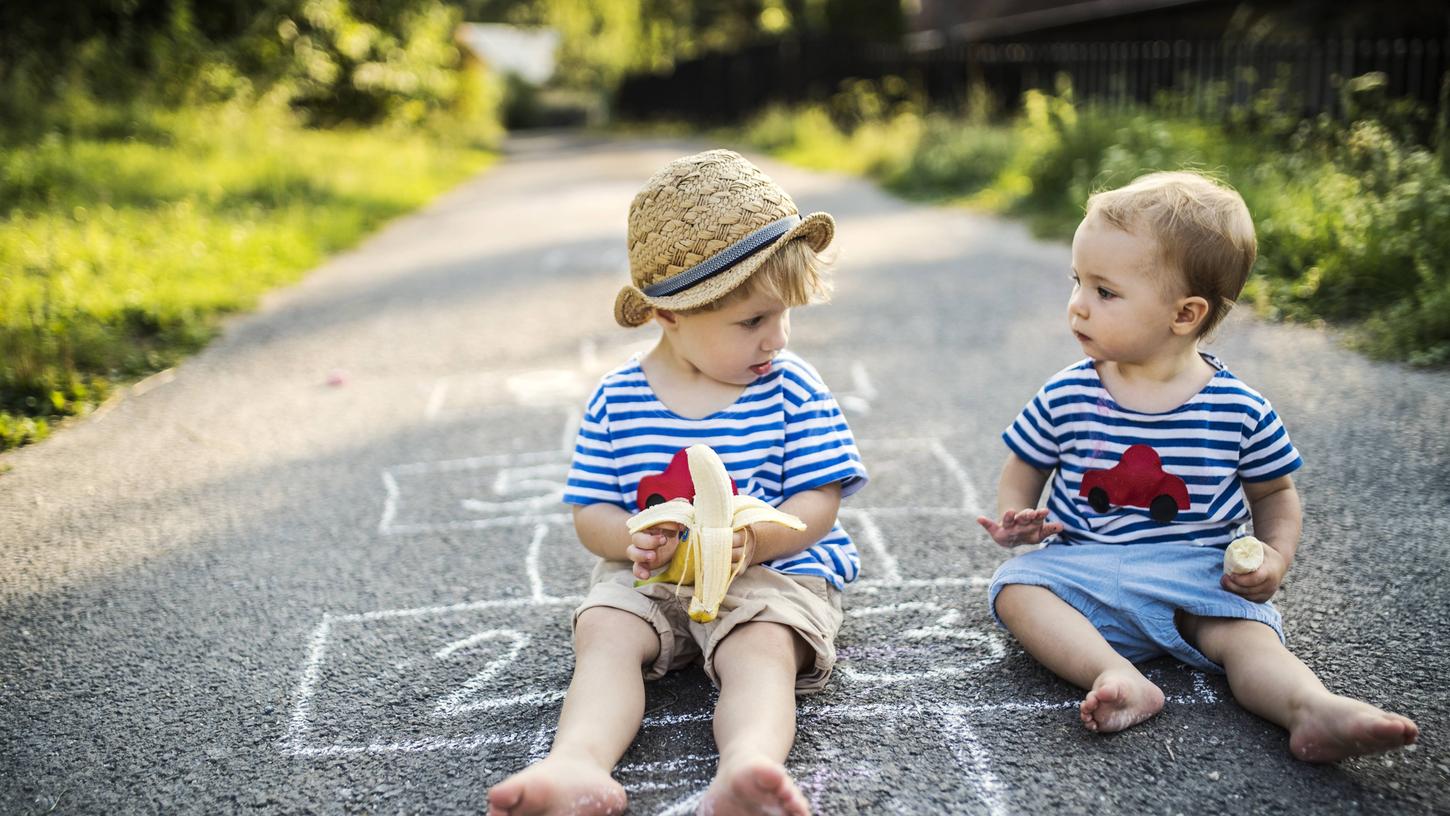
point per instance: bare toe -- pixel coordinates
(1119, 699)
(754, 787)
(1336, 728)
(555, 786)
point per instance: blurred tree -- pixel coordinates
(604, 39)
(337, 60)
(365, 60)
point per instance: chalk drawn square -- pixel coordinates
(541, 561)
(480, 677)
(474, 493)
(919, 637)
(562, 566)
(914, 474)
(861, 757)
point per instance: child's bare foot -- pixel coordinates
(558, 786)
(1120, 698)
(1332, 728)
(754, 787)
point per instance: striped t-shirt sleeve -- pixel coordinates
(1031, 435)
(1266, 452)
(593, 477)
(819, 447)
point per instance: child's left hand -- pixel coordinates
(1261, 584)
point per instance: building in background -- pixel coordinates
(527, 53)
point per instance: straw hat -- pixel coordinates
(702, 226)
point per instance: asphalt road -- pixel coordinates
(320, 566)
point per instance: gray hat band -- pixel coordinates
(724, 259)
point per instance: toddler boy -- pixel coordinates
(718, 256)
(1158, 458)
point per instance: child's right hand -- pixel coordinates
(1019, 527)
(652, 548)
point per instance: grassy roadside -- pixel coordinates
(121, 248)
(1353, 220)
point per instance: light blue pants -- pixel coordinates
(1130, 592)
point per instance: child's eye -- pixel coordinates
(1075, 282)
(752, 322)
(1105, 294)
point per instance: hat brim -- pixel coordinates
(634, 308)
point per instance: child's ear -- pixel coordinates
(667, 318)
(1190, 315)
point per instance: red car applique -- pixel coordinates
(1137, 480)
(674, 483)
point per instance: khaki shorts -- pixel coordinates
(810, 606)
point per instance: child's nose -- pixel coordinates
(1077, 304)
(777, 339)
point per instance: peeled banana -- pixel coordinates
(1243, 555)
(709, 523)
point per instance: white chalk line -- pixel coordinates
(390, 503)
(474, 524)
(872, 539)
(458, 702)
(541, 462)
(470, 743)
(971, 502)
(972, 758)
(527, 464)
(535, 503)
(531, 563)
(1203, 694)
(968, 752)
(944, 628)
(311, 670)
(528, 388)
(953, 721)
(465, 606)
(875, 585)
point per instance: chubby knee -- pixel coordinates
(1216, 637)
(761, 641)
(1014, 599)
(605, 630)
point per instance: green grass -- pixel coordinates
(119, 252)
(1353, 220)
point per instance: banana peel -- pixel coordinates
(703, 558)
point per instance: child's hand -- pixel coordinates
(652, 548)
(1261, 584)
(743, 546)
(1019, 527)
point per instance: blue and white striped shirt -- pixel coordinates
(784, 434)
(1224, 435)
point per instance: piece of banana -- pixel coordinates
(1243, 555)
(704, 554)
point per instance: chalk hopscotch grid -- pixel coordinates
(952, 720)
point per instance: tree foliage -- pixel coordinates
(360, 61)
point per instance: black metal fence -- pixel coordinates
(720, 88)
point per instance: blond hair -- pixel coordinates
(1202, 228)
(795, 275)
